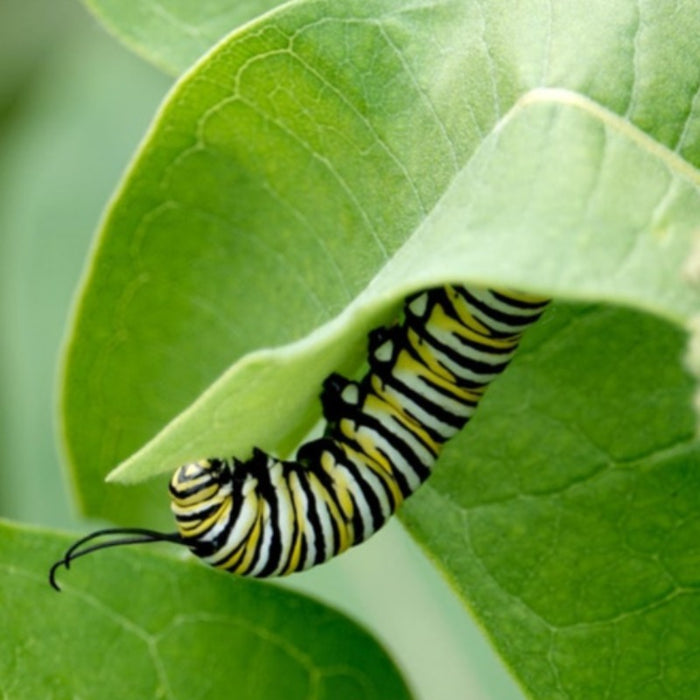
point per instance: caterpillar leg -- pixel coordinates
(379, 336)
(384, 345)
(338, 394)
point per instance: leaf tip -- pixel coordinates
(120, 474)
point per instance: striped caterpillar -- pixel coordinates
(270, 517)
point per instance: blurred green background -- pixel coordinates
(73, 106)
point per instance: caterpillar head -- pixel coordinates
(200, 481)
(200, 493)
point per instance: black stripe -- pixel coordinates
(519, 303)
(499, 316)
(355, 412)
(309, 457)
(312, 519)
(399, 477)
(368, 492)
(321, 446)
(434, 434)
(182, 493)
(417, 324)
(274, 551)
(399, 445)
(402, 426)
(358, 526)
(215, 545)
(256, 552)
(458, 381)
(291, 469)
(335, 526)
(201, 514)
(267, 493)
(437, 411)
(340, 458)
(383, 372)
(463, 360)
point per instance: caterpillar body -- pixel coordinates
(270, 517)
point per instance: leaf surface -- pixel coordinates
(139, 625)
(572, 504)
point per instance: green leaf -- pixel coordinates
(325, 161)
(572, 504)
(170, 629)
(172, 34)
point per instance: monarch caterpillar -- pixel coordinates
(269, 517)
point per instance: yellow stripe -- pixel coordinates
(299, 516)
(343, 524)
(197, 527)
(406, 363)
(376, 457)
(197, 497)
(378, 404)
(251, 542)
(339, 477)
(461, 308)
(370, 449)
(522, 296)
(439, 318)
(232, 562)
(383, 472)
(285, 496)
(427, 356)
(380, 389)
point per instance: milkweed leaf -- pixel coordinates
(572, 503)
(183, 631)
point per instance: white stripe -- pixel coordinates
(444, 430)
(285, 515)
(402, 433)
(243, 523)
(264, 549)
(324, 517)
(461, 305)
(487, 297)
(422, 388)
(466, 350)
(374, 482)
(464, 374)
(308, 533)
(397, 460)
